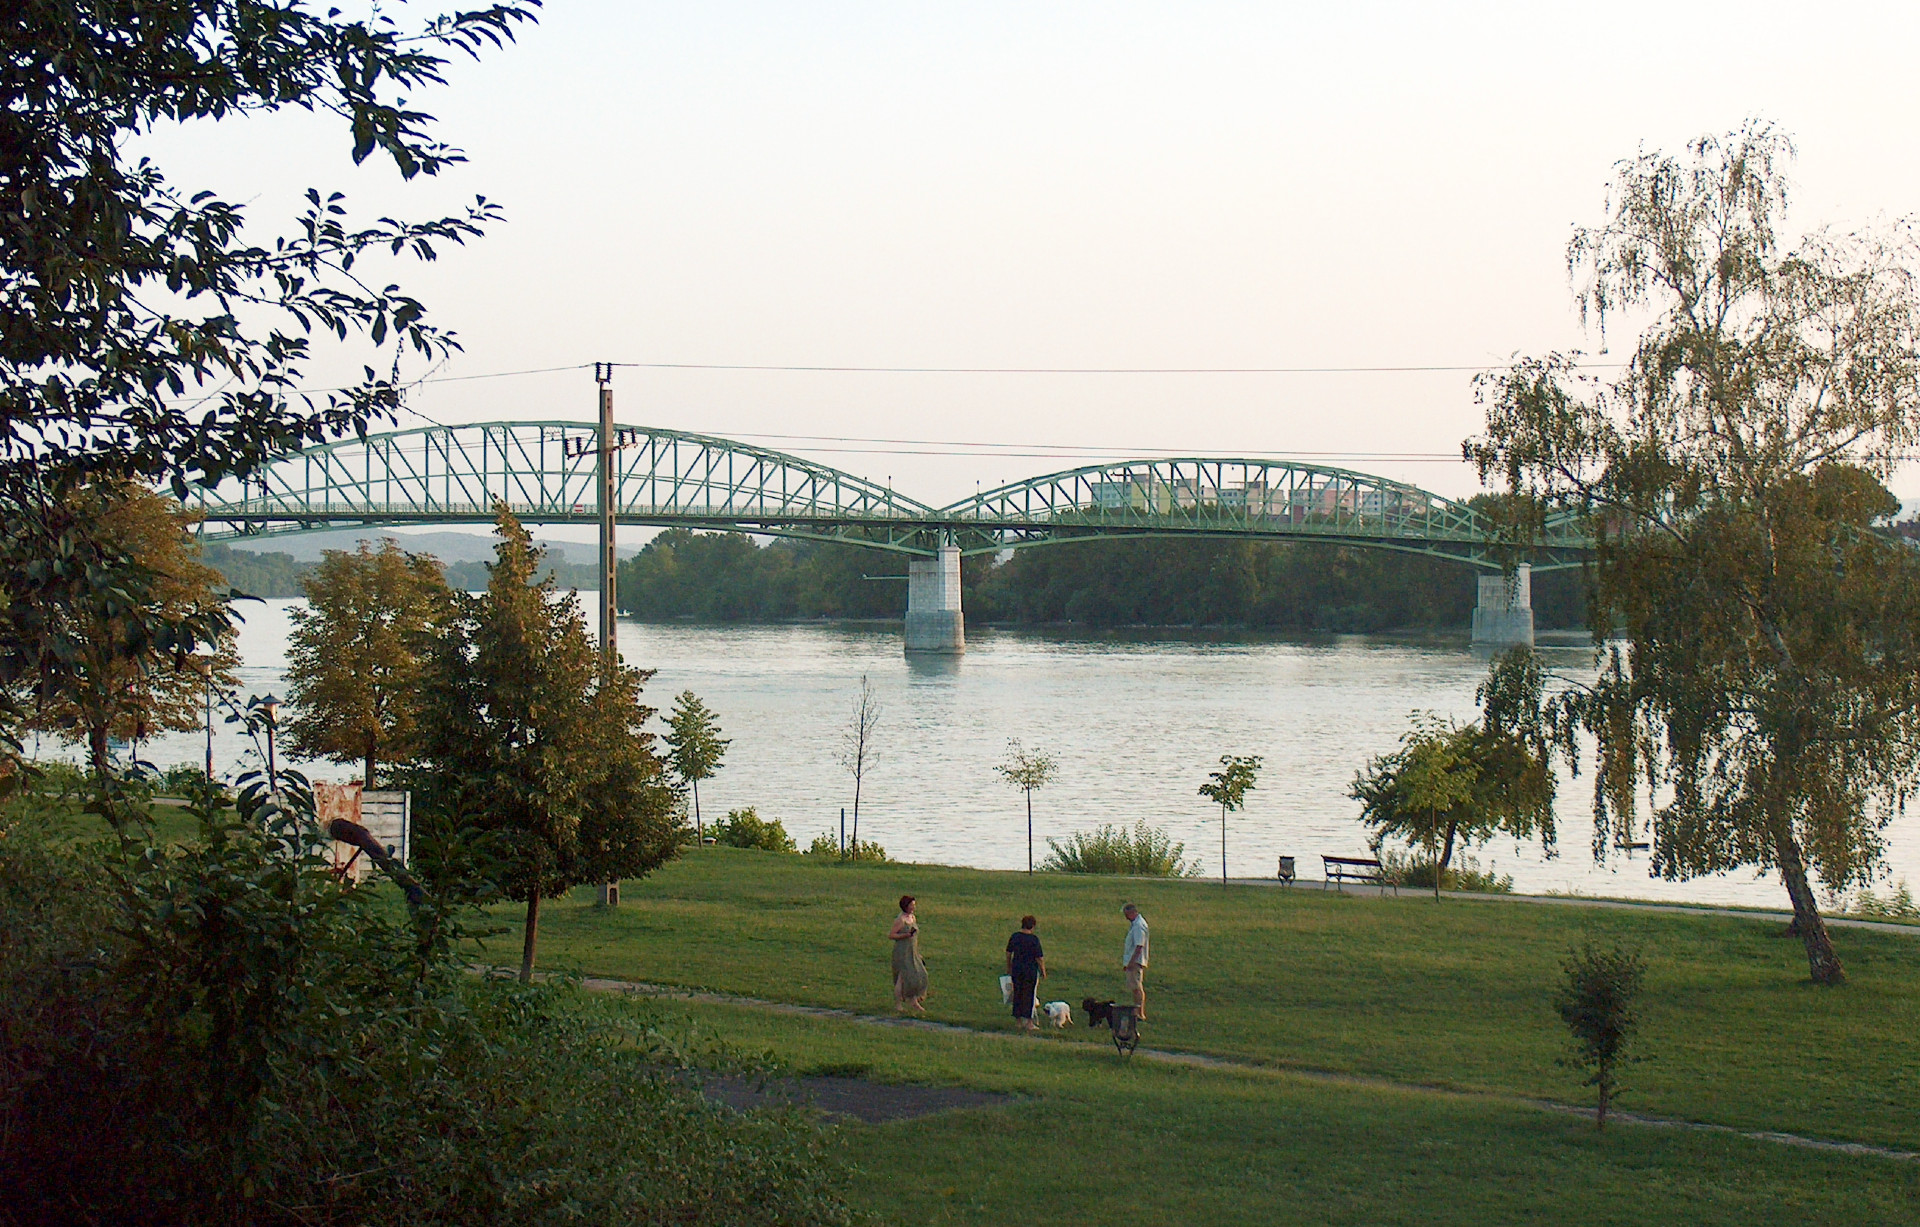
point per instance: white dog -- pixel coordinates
(1059, 1013)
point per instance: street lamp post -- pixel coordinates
(204, 666)
(271, 706)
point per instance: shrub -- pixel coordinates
(1143, 852)
(1897, 906)
(1465, 873)
(187, 780)
(745, 828)
(319, 1051)
(826, 847)
(59, 779)
(1596, 1001)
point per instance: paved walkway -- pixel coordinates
(1681, 909)
(1169, 1056)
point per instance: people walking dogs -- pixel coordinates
(1027, 964)
(1133, 958)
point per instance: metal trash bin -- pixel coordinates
(1126, 1029)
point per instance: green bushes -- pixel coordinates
(1142, 852)
(221, 1033)
(1898, 905)
(57, 778)
(1465, 873)
(745, 828)
(825, 847)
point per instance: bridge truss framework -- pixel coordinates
(545, 473)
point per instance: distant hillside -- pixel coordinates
(279, 573)
(448, 545)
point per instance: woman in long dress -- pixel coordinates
(909, 973)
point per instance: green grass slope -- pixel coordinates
(1095, 1139)
(1455, 994)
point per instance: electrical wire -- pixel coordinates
(1038, 449)
(1077, 370)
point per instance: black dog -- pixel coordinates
(1097, 1012)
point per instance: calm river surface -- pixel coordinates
(1135, 723)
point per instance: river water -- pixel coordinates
(1135, 723)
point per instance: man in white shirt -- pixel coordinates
(1133, 957)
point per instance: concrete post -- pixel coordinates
(1504, 616)
(935, 622)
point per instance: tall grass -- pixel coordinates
(1464, 873)
(1142, 852)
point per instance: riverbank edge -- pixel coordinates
(1554, 637)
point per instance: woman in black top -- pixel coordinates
(1027, 964)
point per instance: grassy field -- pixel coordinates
(1093, 1139)
(1453, 995)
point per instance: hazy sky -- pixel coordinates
(1059, 185)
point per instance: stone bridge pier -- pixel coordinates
(935, 622)
(1504, 616)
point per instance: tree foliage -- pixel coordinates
(525, 733)
(694, 746)
(114, 658)
(355, 657)
(1029, 771)
(142, 331)
(1597, 1000)
(1764, 685)
(1283, 586)
(1450, 784)
(1228, 789)
(218, 1032)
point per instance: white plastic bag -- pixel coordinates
(1006, 990)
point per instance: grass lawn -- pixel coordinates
(1096, 1140)
(1455, 994)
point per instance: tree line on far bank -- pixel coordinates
(1138, 581)
(276, 574)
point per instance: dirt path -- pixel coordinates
(933, 1102)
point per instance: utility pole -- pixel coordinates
(609, 649)
(609, 646)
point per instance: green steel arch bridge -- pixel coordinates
(551, 472)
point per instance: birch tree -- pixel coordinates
(1758, 689)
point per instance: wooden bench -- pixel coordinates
(1342, 869)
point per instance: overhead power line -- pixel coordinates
(1079, 370)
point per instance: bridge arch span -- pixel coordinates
(545, 473)
(1245, 498)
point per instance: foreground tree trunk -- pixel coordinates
(532, 938)
(1822, 963)
(1605, 1084)
(97, 751)
(1446, 856)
